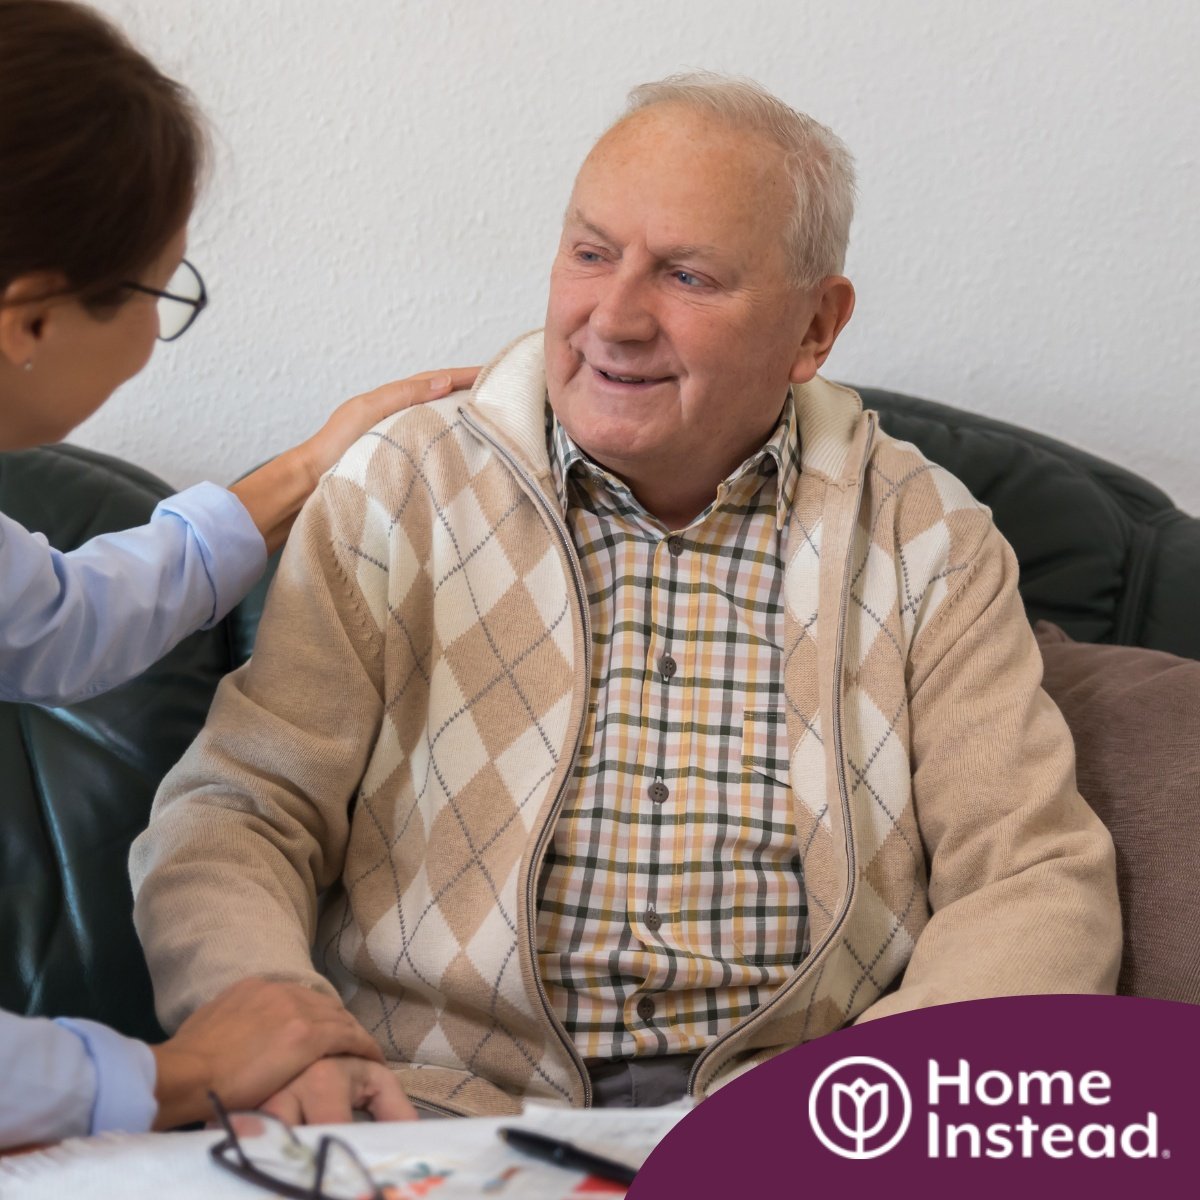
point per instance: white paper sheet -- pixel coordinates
(442, 1159)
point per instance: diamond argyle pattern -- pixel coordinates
(820, 857)
(917, 530)
(427, 937)
(426, 940)
(430, 581)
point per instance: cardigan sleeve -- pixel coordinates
(252, 824)
(1022, 874)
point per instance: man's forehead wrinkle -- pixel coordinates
(667, 253)
(690, 189)
(575, 216)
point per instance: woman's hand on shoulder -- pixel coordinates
(352, 419)
(274, 494)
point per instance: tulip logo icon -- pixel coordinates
(855, 1097)
(859, 1107)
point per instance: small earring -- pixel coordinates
(29, 365)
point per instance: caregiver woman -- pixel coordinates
(100, 157)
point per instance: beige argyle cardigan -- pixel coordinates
(375, 791)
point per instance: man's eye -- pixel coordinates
(688, 279)
(587, 256)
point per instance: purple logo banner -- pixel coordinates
(1095, 1094)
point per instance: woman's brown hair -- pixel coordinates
(100, 153)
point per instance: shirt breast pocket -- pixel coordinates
(764, 745)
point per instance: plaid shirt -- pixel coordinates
(671, 901)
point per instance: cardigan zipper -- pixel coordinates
(440, 1110)
(543, 836)
(761, 1012)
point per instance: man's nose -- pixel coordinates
(624, 310)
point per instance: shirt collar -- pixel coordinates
(781, 449)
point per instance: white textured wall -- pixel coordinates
(391, 175)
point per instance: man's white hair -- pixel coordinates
(820, 167)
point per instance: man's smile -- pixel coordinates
(628, 379)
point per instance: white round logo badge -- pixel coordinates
(859, 1107)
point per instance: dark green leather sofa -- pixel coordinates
(1104, 554)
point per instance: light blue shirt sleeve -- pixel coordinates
(70, 1078)
(73, 625)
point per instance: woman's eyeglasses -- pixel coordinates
(179, 303)
(264, 1151)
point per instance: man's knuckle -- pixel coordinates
(324, 1071)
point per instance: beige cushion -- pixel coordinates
(1135, 716)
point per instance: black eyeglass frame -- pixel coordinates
(243, 1168)
(198, 305)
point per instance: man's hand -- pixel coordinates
(247, 1043)
(329, 1092)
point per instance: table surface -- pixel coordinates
(444, 1159)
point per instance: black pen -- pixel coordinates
(564, 1154)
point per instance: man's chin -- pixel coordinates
(591, 398)
(618, 450)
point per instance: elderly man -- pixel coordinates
(649, 710)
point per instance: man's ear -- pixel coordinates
(25, 306)
(834, 306)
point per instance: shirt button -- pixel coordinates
(668, 666)
(645, 1008)
(659, 792)
(653, 921)
(675, 545)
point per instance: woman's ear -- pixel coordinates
(25, 306)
